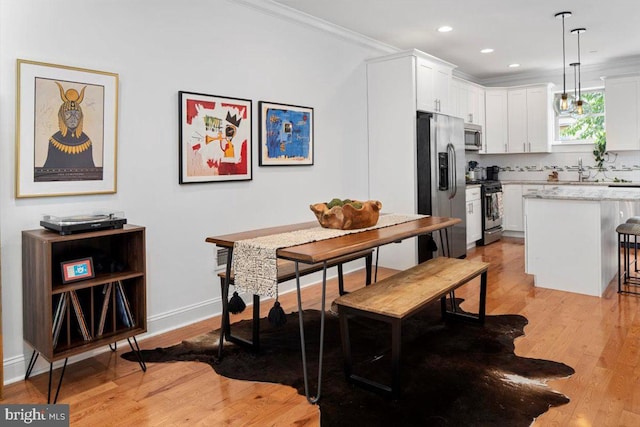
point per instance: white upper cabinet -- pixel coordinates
(433, 84)
(518, 120)
(496, 129)
(530, 119)
(467, 101)
(622, 113)
(540, 119)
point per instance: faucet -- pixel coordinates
(581, 171)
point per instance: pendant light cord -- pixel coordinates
(579, 70)
(564, 76)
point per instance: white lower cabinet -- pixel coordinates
(474, 215)
(512, 207)
(513, 204)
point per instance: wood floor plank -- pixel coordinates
(598, 337)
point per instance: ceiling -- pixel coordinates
(520, 31)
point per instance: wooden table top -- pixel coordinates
(324, 250)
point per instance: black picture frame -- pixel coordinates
(215, 138)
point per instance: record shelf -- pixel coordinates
(65, 318)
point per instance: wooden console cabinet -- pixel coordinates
(94, 312)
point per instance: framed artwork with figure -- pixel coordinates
(66, 130)
(286, 134)
(215, 138)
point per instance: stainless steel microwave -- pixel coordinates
(472, 137)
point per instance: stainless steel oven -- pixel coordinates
(492, 212)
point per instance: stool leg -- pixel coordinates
(627, 254)
(635, 248)
(619, 272)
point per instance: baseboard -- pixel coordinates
(518, 234)
(15, 367)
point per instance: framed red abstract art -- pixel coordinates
(215, 138)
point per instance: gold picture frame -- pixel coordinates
(66, 130)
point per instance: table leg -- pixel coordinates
(224, 326)
(305, 374)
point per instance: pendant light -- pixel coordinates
(575, 66)
(581, 106)
(563, 104)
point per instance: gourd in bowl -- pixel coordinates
(347, 214)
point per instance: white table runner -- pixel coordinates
(254, 261)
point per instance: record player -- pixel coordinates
(83, 223)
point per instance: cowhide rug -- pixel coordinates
(453, 373)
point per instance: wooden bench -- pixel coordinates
(402, 295)
(287, 271)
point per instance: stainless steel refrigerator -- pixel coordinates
(441, 180)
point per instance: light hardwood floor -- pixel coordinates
(598, 337)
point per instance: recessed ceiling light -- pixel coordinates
(487, 50)
(514, 65)
(445, 29)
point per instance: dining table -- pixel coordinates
(323, 251)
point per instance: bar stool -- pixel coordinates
(625, 231)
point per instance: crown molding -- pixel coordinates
(593, 72)
(287, 13)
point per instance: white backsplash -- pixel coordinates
(624, 165)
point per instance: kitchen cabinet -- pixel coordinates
(529, 119)
(474, 215)
(512, 207)
(396, 87)
(496, 130)
(433, 84)
(513, 204)
(622, 113)
(467, 101)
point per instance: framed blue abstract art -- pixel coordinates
(286, 134)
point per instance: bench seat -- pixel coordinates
(400, 296)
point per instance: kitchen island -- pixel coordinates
(570, 236)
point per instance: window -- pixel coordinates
(583, 129)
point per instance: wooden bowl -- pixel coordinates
(348, 217)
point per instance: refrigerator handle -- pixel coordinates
(453, 171)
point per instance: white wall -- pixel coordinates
(159, 47)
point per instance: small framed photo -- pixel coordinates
(215, 138)
(78, 269)
(66, 136)
(286, 134)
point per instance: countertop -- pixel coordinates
(563, 192)
(571, 183)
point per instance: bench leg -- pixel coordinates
(454, 314)
(254, 343)
(345, 313)
(483, 298)
(346, 341)
(340, 281)
(367, 281)
(225, 303)
(396, 340)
